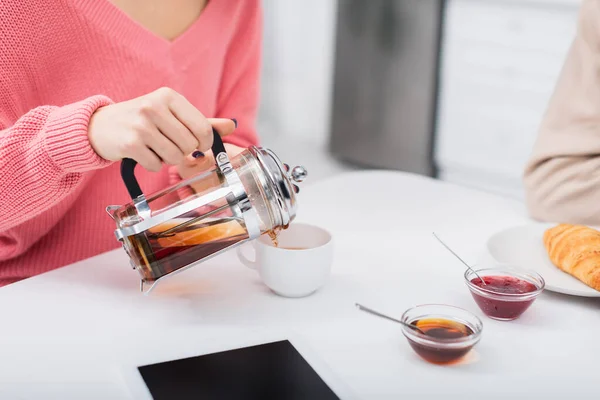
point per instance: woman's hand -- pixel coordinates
(158, 127)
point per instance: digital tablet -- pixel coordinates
(273, 370)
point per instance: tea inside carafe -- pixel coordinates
(174, 244)
(237, 200)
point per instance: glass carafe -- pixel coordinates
(237, 200)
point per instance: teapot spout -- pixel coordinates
(146, 287)
(110, 210)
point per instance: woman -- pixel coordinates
(86, 83)
(562, 178)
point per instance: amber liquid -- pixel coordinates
(439, 328)
(274, 240)
(273, 236)
(160, 255)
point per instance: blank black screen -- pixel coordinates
(267, 371)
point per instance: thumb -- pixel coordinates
(198, 159)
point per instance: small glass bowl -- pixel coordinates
(504, 306)
(439, 350)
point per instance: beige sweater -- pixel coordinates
(562, 178)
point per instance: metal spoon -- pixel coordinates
(461, 260)
(370, 311)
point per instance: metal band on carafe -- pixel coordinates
(238, 199)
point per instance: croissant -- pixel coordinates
(575, 249)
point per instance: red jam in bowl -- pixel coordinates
(504, 302)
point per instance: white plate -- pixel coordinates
(522, 246)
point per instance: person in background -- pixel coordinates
(562, 178)
(86, 83)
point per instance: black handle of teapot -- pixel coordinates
(128, 167)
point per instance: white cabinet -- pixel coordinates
(500, 62)
(296, 82)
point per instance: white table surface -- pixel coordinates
(71, 333)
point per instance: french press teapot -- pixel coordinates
(178, 227)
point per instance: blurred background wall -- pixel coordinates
(298, 56)
(501, 60)
(298, 60)
(475, 97)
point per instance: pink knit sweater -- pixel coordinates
(60, 60)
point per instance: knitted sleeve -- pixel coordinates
(45, 160)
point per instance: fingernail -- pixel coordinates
(234, 121)
(197, 154)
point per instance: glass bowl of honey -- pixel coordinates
(504, 293)
(446, 333)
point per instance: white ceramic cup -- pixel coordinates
(299, 266)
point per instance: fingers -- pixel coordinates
(193, 120)
(207, 160)
(176, 132)
(164, 148)
(204, 162)
(224, 126)
(170, 128)
(178, 135)
(147, 159)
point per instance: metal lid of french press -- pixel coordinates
(280, 177)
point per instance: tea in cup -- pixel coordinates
(297, 264)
